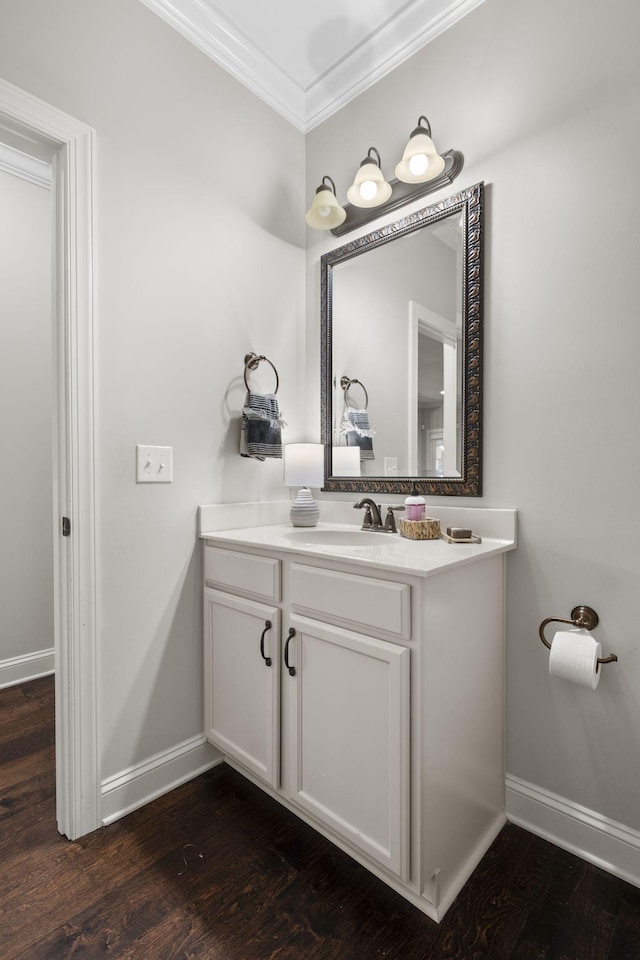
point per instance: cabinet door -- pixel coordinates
(348, 748)
(242, 681)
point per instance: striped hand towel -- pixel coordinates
(261, 428)
(356, 428)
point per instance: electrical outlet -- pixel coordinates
(391, 466)
(154, 464)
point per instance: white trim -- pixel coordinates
(590, 835)
(386, 48)
(73, 151)
(412, 389)
(424, 321)
(444, 899)
(419, 24)
(20, 164)
(144, 782)
(29, 666)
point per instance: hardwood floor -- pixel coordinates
(217, 870)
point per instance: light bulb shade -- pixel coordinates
(421, 161)
(325, 212)
(303, 464)
(345, 461)
(369, 188)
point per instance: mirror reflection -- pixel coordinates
(401, 351)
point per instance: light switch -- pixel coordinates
(154, 464)
(391, 466)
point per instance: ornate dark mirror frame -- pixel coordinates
(469, 203)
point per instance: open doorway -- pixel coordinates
(37, 130)
(26, 427)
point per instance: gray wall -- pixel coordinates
(542, 101)
(199, 260)
(26, 553)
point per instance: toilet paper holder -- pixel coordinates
(581, 616)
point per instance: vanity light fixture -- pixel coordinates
(369, 188)
(325, 212)
(420, 161)
(304, 468)
(422, 170)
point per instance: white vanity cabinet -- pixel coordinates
(378, 719)
(318, 712)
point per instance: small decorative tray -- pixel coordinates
(427, 529)
(471, 539)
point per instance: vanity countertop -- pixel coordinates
(384, 551)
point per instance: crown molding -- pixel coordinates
(22, 165)
(218, 39)
(386, 48)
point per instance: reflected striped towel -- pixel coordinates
(355, 426)
(261, 428)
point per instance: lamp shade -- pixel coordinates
(345, 461)
(303, 465)
(325, 212)
(369, 188)
(420, 161)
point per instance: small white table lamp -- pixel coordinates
(304, 468)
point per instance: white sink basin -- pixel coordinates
(340, 538)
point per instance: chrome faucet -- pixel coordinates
(372, 519)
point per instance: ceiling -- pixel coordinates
(307, 58)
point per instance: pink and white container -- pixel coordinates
(415, 505)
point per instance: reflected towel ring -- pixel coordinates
(252, 362)
(345, 383)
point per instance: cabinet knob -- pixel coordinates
(267, 627)
(292, 670)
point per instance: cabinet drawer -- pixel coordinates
(362, 603)
(259, 576)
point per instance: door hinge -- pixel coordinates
(66, 527)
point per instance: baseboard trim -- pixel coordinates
(30, 666)
(146, 781)
(445, 898)
(591, 836)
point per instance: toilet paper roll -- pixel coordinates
(574, 656)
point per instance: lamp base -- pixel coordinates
(304, 510)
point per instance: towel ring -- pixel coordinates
(345, 383)
(581, 616)
(252, 362)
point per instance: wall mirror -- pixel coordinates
(401, 378)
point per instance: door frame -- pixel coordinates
(71, 147)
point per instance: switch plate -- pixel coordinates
(154, 464)
(391, 466)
